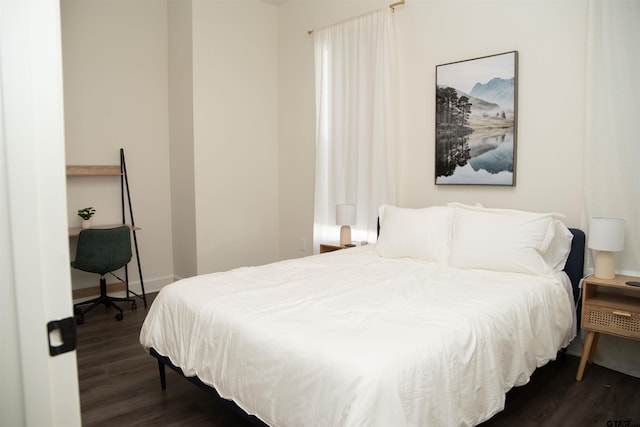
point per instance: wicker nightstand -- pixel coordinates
(609, 307)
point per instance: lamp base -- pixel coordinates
(345, 235)
(605, 265)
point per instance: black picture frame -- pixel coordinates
(476, 121)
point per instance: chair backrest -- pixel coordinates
(101, 250)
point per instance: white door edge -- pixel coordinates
(35, 257)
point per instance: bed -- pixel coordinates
(450, 309)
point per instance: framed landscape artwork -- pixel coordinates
(476, 121)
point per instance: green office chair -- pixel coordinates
(103, 251)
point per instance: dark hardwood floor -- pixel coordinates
(119, 385)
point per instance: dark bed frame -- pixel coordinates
(574, 269)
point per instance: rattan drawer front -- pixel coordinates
(619, 322)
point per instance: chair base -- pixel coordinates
(102, 299)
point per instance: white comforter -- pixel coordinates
(351, 339)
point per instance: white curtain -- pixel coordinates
(612, 151)
(355, 66)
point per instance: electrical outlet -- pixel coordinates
(302, 245)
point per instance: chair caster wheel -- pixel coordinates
(134, 307)
(119, 316)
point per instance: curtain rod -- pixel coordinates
(392, 6)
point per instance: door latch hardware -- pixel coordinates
(62, 336)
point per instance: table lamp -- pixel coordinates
(345, 216)
(606, 236)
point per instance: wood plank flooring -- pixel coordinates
(119, 385)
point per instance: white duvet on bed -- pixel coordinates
(352, 339)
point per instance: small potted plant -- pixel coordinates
(86, 214)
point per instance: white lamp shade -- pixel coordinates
(345, 214)
(606, 234)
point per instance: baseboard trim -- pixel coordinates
(119, 288)
(95, 290)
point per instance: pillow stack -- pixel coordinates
(474, 237)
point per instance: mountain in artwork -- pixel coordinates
(497, 90)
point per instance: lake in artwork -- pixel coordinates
(475, 121)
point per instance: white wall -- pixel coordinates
(115, 89)
(550, 38)
(183, 198)
(189, 89)
(235, 104)
(242, 158)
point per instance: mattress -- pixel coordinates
(349, 338)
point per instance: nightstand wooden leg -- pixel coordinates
(586, 353)
(592, 353)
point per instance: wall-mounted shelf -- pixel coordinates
(94, 170)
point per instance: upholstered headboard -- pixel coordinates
(575, 263)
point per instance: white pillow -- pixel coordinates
(557, 253)
(414, 233)
(500, 239)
